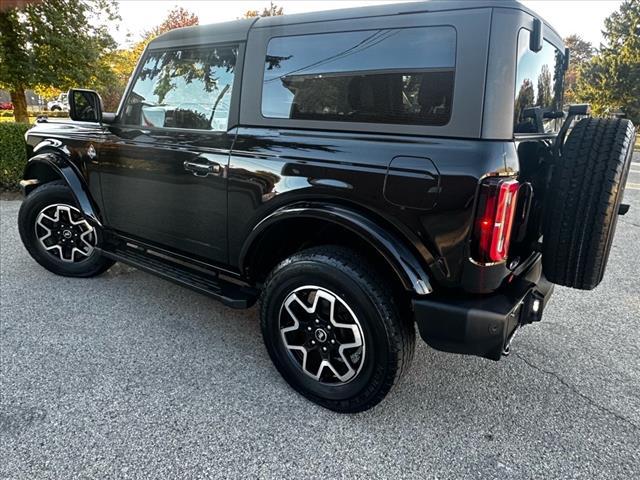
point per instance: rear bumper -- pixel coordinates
(483, 325)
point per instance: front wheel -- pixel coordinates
(333, 331)
(57, 236)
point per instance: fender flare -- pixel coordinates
(403, 261)
(70, 174)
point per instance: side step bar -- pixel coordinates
(229, 293)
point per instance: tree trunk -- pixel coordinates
(19, 101)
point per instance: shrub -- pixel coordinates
(13, 154)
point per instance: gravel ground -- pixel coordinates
(129, 376)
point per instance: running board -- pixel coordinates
(229, 293)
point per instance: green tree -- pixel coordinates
(525, 98)
(178, 17)
(581, 52)
(272, 11)
(544, 99)
(611, 79)
(57, 43)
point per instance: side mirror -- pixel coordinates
(85, 105)
(537, 36)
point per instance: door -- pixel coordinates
(163, 164)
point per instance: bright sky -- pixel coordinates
(567, 16)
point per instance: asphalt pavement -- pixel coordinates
(129, 376)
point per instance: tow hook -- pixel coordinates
(506, 350)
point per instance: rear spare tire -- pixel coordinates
(582, 204)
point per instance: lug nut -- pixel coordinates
(324, 349)
(317, 321)
(328, 327)
(313, 342)
(333, 341)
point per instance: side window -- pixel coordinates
(539, 83)
(402, 76)
(187, 88)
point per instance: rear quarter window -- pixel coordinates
(394, 76)
(539, 83)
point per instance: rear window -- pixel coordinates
(397, 76)
(539, 87)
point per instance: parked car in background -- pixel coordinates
(360, 172)
(6, 106)
(60, 104)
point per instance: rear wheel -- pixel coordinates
(333, 330)
(56, 234)
(584, 197)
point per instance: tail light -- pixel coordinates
(494, 219)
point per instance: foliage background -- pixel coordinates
(13, 154)
(610, 79)
(57, 43)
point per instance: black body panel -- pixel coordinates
(150, 193)
(270, 168)
(141, 188)
(69, 148)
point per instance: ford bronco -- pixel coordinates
(358, 172)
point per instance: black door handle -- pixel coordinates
(201, 169)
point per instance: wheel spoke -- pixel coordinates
(310, 329)
(62, 231)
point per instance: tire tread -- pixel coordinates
(581, 209)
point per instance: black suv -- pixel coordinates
(357, 171)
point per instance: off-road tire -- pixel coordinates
(390, 339)
(585, 193)
(52, 193)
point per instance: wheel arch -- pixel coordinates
(358, 229)
(48, 166)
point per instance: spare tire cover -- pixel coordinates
(581, 205)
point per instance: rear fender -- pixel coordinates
(401, 259)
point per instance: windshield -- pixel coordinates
(539, 87)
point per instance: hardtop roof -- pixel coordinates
(237, 30)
